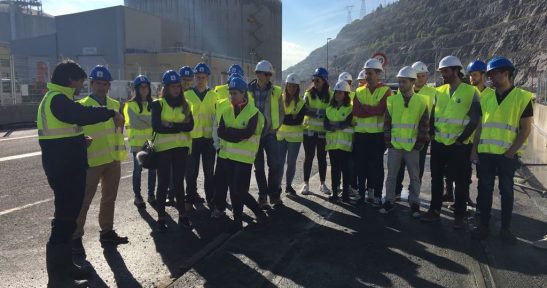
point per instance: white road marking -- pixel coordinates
(3, 159)
(24, 206)
(17, 138)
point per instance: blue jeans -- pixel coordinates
(137, 169)
(288, 152)
(271, 186)
(489, 165)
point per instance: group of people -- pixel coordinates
(235, 124)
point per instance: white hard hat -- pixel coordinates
(345, 76)
(292, 78)
(420, 67)
(450, 61)
(407, 72)
(342, 85)
(264, 66)
(373, 63)
(361, 75)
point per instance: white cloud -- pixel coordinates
(292, 54)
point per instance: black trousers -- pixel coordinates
(311, 144)
(369, 150)
(340, 167)
(455, 158)
(235, 176)
(401, 175)
(175, 160)
(201, 147)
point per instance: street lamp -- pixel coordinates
(328, 39)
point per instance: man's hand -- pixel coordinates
(509, 154)
(88, 141)
(119, 120)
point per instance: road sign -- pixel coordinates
(381, 57)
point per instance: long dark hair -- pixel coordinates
(138, 98)
(345, 103)
(180, 99)
(323, 95)
(288, 98)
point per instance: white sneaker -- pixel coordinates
(324, 189)
(305, 190)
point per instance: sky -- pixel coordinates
(306, 23)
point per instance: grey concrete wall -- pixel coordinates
(17, 113)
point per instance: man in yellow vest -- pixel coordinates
(202, 101)
(369, 106)
(186, 77)
(65, 163)
(267, 98)
(233, 71)
(455, 116)
(420, 87)
(499, 142)
(346, 76)
(104, 156)
(477, 76)
(406, 127)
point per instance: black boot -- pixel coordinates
(59, 267)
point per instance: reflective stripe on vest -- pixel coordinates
(291, 133)
(339, 139)
(500, 122)
(49, 127)
(138, 125)
(374, 124)
(108, 143)
(451, 112)
(203, 112)
(405, 120)
(166, 141)
(273, 102)
(318, 107)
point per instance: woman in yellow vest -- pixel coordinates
(291, 132)
(138, 122)
(339, 139)
(239, 129)
(316, 100)
(172, 122)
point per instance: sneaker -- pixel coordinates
(480, 232)
(170, 201)
(541, 243)
(276, 201)
(161, 225)
(290, 191)
(217, 214)
(152, 200)
(459, 223)
(185, 222)
(305, 190)
(386, 208)
(139, 202)
(111, 237)
(507, 236)
(78, 247)
(431, 216)
(324, 189)
(263, 202)
(415, 210)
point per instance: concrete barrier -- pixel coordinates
(20, 113)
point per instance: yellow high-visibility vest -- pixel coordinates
(138, 124)
(108, 144)
(49, 127)
(500, 122)
(429, 93)
(166, 141)
(405, 121)
(451, 112)
(339, 139)
(292, 133)
(274, 105)
(222, 92)
(203, 113)
(374, 124)
(315, 124)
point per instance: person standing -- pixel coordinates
(267, 99)
(339, 136)
(64, 159)
(172, 122)
(138, 122)
(406, 128)
(222, 91)
(316, 100)
(291, 133)
(499, 142)
(104, 157)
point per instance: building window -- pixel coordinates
(4, 62)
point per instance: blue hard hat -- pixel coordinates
(235, 69)
(232, 76)
(237, 83)
(476, 65)
(499, 62)
(186, 71)
(202, 68)
(100, 72)
(321, 72)
(170, 77)
(141, 79)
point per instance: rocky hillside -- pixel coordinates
(427, 30)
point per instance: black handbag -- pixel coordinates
(148, 157)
